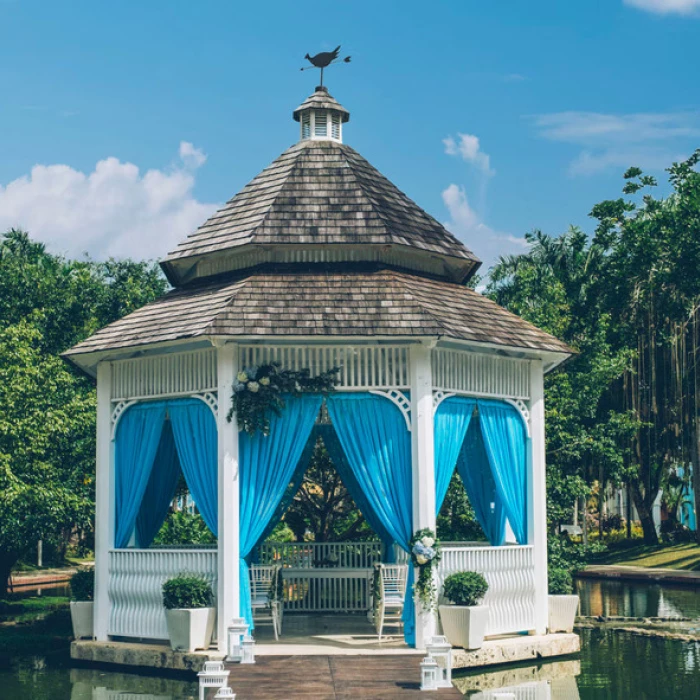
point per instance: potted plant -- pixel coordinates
(464, 622)
(82, 588)
(189, 612)
(563, 603)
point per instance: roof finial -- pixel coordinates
(324, 59)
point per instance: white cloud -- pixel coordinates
(648, 140)
(481, 239)
(113, 211)
(469, 149)
(666, 7)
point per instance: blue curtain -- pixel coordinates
(267, 464)
(373, 434)
(506, 445)
(160, 490)
(136, 443)
(452, 420)
(195, 433)
(474, 468)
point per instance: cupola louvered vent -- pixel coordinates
(320, 124)
(335, 126)
(306, 125)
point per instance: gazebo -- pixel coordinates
(319, 262)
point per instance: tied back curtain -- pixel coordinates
(506, 441)
(136, 444)
(267, 464)
(452, 420)
(474, 468)
(160, 490)
(196, 439)
(377, 444)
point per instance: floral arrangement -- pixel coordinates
(259, 392)
(425, 554)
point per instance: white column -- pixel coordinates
(423, 457)
(228, 590)
(104, 500)
(537, 496)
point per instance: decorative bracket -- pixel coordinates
(400, 399)
(117, 412)
(211, 399)
(523, 410)
(439, 397)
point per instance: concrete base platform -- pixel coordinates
(154, 656)
(510, 650)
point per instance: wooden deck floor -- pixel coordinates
(332, 678)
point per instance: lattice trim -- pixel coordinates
(399, 399)
(439, 397)
(523, 410)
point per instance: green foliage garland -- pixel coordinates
(186, 591)
(259, 392)
(425, 554)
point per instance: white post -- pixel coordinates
(537, 496)
(228, 588)
(423, 458)
(104, 500)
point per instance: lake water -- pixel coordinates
(612, 665)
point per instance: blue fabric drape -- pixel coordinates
(373, 434)
(267, 464)
(474, 469)
(195, 433)
(160, 490)
(136, 443)
(506, 444)
(452, 420)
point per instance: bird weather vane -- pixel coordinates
(324, 59)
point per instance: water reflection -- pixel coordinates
(88, 684)
(551, 681)
(630, 599)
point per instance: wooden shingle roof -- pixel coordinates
(322, 194)
(342, 303)
(321, 99)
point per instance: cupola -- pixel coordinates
(321, 117)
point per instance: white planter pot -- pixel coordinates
(190, 629)
(464, 626)
(81, 617)
(562, 612)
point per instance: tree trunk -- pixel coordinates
(7, 561)
(645, 513)
(696, 475)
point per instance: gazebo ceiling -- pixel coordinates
(344, 304)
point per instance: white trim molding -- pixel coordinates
(522, 408)
(439, 397)
(400, 400)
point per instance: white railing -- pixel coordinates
(361, 367)
(319, 555)
(510, 573)
(480, 375)
(135, 580)
(176, 374)
(327, 590)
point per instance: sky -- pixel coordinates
(124, 125)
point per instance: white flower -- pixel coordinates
(242, 377)
(297, 386)
(265, 381)
(254, 387)
(421, 559)
(427, 541)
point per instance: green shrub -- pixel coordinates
(82, 585)
(561, 581)
(465, 588)
(182, 527)
(186, 591)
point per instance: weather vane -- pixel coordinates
(325, 59)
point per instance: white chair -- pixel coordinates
(265, 595)
(388, 595)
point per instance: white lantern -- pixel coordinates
(225, 692)
(428, 674)
(237, 631)
(248, 650)
(212, 675)
(441, 650)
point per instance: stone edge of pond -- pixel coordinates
(627, 625)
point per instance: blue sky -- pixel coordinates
(123, 125)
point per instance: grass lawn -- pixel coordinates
(684, 557)
(37, 625)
